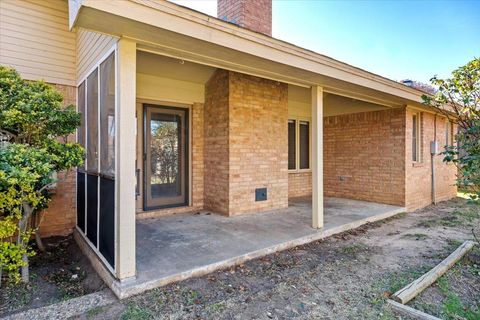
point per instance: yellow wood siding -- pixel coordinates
(35, 40)
(91, 47)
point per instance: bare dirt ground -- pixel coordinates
(344, 277)
(60, 273)
(348, 276)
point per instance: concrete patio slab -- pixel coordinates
(178, 247)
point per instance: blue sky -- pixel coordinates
(395, 39)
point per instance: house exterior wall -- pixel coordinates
(364, 156)
(60, 217)
(365, 151)
(245, 143)
(216, 135)
(258, 143)
(91, 47)
(418, 174)
(198, 159)
(299, 184)
(36, 41)
(299, 108)
(239, 137)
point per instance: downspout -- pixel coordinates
(433, 152)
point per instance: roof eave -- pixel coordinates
(181, 20)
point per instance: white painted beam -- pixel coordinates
(317, 157)
(125, 155)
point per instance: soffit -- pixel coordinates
(295, 70)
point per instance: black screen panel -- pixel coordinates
(292, 145)
(92, 208)
(107, 220)
(304, 145)
(81, 201)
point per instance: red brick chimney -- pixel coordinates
(255, 15)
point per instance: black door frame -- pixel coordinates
(159, 107)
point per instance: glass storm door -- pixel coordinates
(166, 157)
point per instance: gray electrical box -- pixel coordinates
(261, 194)
(434, 147)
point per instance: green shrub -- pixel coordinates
(34, 128)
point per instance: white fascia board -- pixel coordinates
(171, 17)
(74, 7)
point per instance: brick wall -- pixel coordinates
(364, 156)
(258, 143)
(60, 217)
(362, 160)
(216, 125)
(239, 143)
(198, 156)
(299, 184)
(245, 143)
(255, 15)
(419, 178)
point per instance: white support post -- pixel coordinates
(317, 157)
(125, 155)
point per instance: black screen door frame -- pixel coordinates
(148, 109)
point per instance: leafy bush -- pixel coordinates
(35, 129)
(458, 98)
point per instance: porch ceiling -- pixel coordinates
(333, 104)
(155, 65)
(171, 30)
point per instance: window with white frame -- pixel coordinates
(292, 144)
(416, 137)
(298, 144)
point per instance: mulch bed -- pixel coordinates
(60, 273)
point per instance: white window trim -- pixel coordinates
(297, 144)
(418, 138)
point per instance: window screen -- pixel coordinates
(107, 116)
(292, 145)
(106, 237)
(304, 145)
(81, 200)
(96, 187)
(415, 137)
(92, 208)
(92, 122)
(81, 110)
